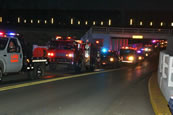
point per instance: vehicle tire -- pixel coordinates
(39, 71)
(1, 75)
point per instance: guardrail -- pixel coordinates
(166, 67)
(130, 30)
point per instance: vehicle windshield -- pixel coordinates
(3, 43)
(107, 54)
(126, 51)
(64, 45)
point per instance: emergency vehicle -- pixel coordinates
(130, 55)
(73, 53)
(109, 58)
(15, 57)
(147, 50)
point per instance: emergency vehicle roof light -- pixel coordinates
(79, 41)
(97, 41)
(139, 51)
(11, 34)
(69, 38)
(153, 41)
(1, 34)
(104, 50)
(58, 37)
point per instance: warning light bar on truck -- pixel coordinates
(1, 33)
(11, 34)
(69, 38)
(129, 48)
(79, 41)
(58, 37)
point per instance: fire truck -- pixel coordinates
(71, 53)
(130, 55)
(15, 57)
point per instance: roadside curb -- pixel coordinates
(158, 101)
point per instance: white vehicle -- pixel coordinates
(14, 60)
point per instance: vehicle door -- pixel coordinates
(14, 57)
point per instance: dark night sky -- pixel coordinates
(88, 4)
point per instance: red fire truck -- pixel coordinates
(73, 53)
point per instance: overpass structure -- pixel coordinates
(147, 33)
(112, 35)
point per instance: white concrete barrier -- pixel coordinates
(165, 74)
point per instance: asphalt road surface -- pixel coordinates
(122, 91)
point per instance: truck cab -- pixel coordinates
(128, 55)
(11, 56)
(16, 58)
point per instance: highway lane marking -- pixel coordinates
(53, 79)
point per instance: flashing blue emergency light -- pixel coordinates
(11, 34)
(104, 50)
(139, 51)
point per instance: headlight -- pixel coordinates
(111, 59)
(69, 55)
(87, 55)
(146, 54)
(130, 58)
(140, 58)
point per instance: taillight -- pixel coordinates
(140, 58)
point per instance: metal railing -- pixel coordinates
(110, 30)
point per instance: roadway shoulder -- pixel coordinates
(158, 101)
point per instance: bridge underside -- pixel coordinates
(141, 36)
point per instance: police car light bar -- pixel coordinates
(11, 34)
(1, 33)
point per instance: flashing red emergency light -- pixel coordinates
(125, 47)
(51, 54)
(79, 41)
(129, 48)
(58, 37)
(69, 38)
(1, 34)
(97, 41)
